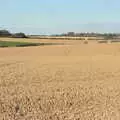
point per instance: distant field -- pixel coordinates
(60, 41)
(46, 40)
(74, 81)
(17, 44)
(7, 42)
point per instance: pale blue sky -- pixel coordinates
(53, 16)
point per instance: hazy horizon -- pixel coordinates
(54, 17)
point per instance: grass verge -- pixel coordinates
(22, 44)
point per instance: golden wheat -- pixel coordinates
(69, 82)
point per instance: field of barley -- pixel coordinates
(74, 81)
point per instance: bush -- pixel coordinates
(102, 41)
(4, 33)
(19, 35)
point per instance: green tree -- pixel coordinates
(19, 35)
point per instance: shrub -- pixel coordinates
(4, 33)
(102, 41)
(19, 35)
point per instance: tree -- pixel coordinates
(71, 34)
(109, 36)
(4, 33)
(19, 35)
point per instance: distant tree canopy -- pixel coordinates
(19, 35)
(71, 34)
(107, 36)
(104, 35)
(4, 33)
(110, 36)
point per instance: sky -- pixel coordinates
(60, 16)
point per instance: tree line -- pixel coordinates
(104, 35)
(6, 33)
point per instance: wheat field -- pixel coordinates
(74, 81)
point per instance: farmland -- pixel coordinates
(74, 81)
(16, 44)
